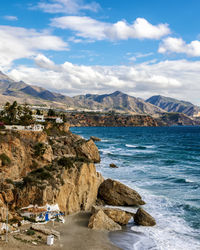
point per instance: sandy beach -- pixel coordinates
(75, 235)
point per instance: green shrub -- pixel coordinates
(66, 162)
(34, 165)
(30, 232)
(39, 149)
(9, 181)
(5, 159)
(29, 219)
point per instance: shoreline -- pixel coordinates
(74, 234)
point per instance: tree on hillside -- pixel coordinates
(39, 112)
(10, 113)
(26, 117)
(16, 114)
(51, 112)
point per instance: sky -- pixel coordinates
(139, 47)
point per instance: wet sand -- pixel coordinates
(75, 235)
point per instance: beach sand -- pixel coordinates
(75, 235)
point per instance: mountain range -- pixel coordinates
(120, 102)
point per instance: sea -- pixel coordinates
(163, 165)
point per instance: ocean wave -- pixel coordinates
(139, 146)
(104, 140)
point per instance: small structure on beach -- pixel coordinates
(42, 214)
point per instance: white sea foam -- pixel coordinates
(104, 140)
(188, 180)
(171, 231)
(138, 146)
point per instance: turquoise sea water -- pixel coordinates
(163, 165)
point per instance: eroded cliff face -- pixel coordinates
(19, 147)
(40, 169)
(73, 187)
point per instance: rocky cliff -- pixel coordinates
(38, 169)
(110, 120)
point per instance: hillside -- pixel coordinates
(174, 105)
(118, 101)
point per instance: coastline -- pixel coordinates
(74, 234)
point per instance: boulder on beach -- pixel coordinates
(112, 165)
(100, 221)
(143, 218)
(117, 215)
(94, 138)
(117, 194)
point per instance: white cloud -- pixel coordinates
(139, 55)
(17, 43)
(67, 6)
(178, 45)
(170, 78)
(11, 18)
(87, 27)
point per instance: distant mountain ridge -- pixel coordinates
(117, 101)
(173, 105)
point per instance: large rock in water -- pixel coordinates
(117, 194)
(100, 221)
(143, 218)
(117, 215)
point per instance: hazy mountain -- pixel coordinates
(174, 105)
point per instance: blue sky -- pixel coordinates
(140, 47)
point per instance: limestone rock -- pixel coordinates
(77, 191)
(19, 147)
(100, 221)
(88, 149)
(117, 194)
(117, 215)
(8, 195)
(64, 127)
(94, 138)
(112, 165)
(143, 218)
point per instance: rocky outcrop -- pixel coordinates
(72, 145)
(19, 147)
(143, 218)
(117, 194)
(117, 215)
(94, 138)
(73, 187)
(109, 120)
(100, 221)
(48, 169)
(112, 165)
(88, 150)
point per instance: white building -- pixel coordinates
(39, 118)
(59, 120)
(34, 127)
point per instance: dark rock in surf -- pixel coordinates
(94, 138)
(143, 218)
(112, 165)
